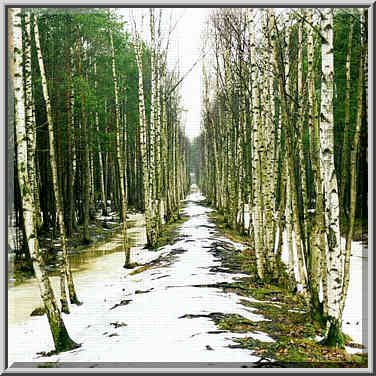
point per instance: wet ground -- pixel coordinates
(164, 313)
(87, 265)
(161, 314)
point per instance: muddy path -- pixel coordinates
(148, 316)
(186, 303)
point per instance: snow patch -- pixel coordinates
(155, 330)
(354, 320)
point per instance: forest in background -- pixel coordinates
(284, 142)
(283, 150)
(77, 57)
(97, 125)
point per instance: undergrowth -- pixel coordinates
(293, 335)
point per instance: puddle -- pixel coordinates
(144, 317)
(149, 308)
(87, 265)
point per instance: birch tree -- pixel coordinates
(353, 158)
(60, 336)
(317, 242)
(143, 145)
(65, 267)
(120, 160)
(335, 259)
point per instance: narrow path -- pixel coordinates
(159, 315)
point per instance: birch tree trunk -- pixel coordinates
(268, 151)
(30, 123)
(85, 183)
(164, 157)
(288, 215)
(287, 120)
(60, 336)
(300, 114)
(120, 160)
(155, 134)
(317, 245)
(152, 139)
(143, 146)
(12, 238)
(335, 258)
(258, 218)
(256, 214)
(70, 139)
(158, 130)
(66, 270)
(100, 158)
(346, 131)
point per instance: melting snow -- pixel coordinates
(354, 320)
(154, 331)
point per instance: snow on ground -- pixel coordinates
(354, 318)
(25, 297)
(155, 329)
(355, 322)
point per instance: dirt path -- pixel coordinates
(185, 306)
(163, 314)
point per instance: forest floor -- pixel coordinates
(192, 300)
(101, 231)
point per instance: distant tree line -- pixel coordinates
(97, 124)
(284, 142)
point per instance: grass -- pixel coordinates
(168, 232)
(287, 320)
(232, 234)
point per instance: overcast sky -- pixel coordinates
(188, 47)
(185, 48)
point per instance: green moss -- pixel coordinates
(335, 337)
(235, 323)
(293, 333)
(168, 232)
(62, 340)
(230, 233)
(287, 320)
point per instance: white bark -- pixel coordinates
(256, 161)
(334, 255)
(101, 174)
(120, 159)
(56, 323)
(59, 208)
(142, 117)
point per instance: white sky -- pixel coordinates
(188, 48)
(184, 49)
